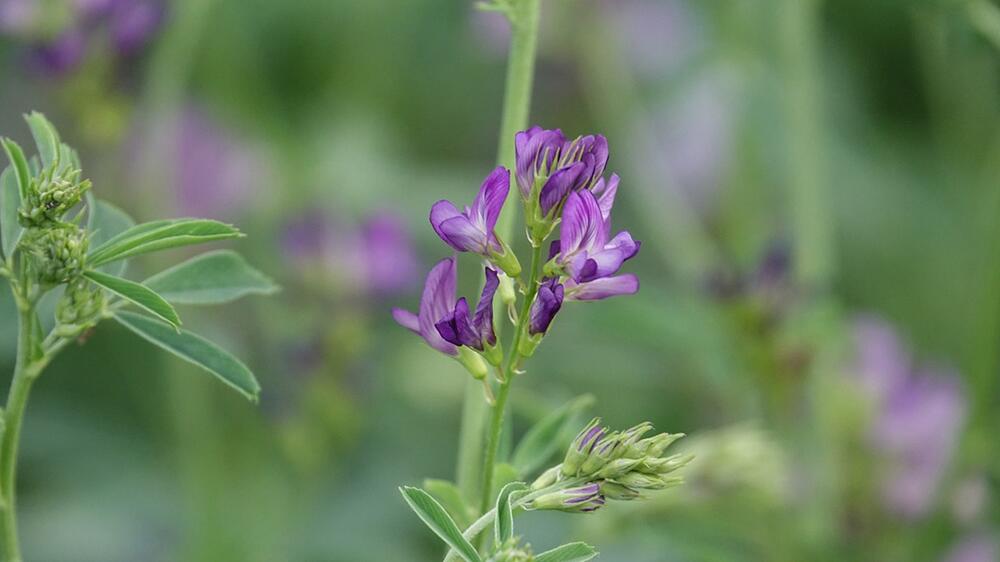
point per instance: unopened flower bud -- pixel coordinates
(664, 465)
(507, 294)
(640, 481)
(615, 491)
(652, 446)
(605, 450)
(473, 363)
(52, 193)
(618, 467)
(547, 478)
(580, 449)
(56, 254)
(581, 499)
(80, 308)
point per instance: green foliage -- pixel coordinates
(211, 278)
(46, 138)
(546, 438)
(10, 201)
(572, 552)
(138, 295)
(194, 349)
(20, 165)
(161, 235)
(503, 528)
(437, 519)
(451, 498)
(104, 222)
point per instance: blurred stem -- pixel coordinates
(523, 17)
(25, 373)
(513, 359)
(812, 229)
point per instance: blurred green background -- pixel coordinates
(816, 185)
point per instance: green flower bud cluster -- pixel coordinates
(56, 254)
(620, 463)
(80, 308)
(53, 192)
(512, 551)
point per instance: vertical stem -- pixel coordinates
(513, 358)
(523, 17)
(17, 399)
(812, 226)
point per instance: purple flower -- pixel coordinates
(62, 54)
(436, 304)
(390, 261)
(472, 230)
(585, 499)
(919, 414)
(460, 327)
(561, 166)
(585, 252)
(134, 22)
(547, 303)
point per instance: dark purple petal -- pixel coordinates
(438, 302)
(63, 54)
(582, 227)
(591, 437)
(559, 185)
(456, 327)
(554, 248)
(492, 195)
(134, 23)
(483, 319)
(536, 150)
(598, 289)
(547, 303)
(606, 262)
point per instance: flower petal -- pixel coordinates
(536, 149)
(492, 195)
(605, 193)
(559, 185)
(407, 319)
(582, 226)
(441, 211)
(437, 302)
(459, 233)
(547, 303)
(598, 289)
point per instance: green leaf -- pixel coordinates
(20, 164)
(437, 519)
(194, 349)
(10, 202)
(104, 222)
(572, 552)
(68, 158)
(451, 498)
(136, 294)
(46, 138)
(543, 440)
(504, 474)
(503, 527)
(211, 278)
(161, 235)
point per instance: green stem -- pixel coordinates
(513, 360)
(523, 17)
(24, 374)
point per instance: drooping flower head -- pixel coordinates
(436, 303)
(547, 303)
(472, 229)
(555, 166)
(462, 327)
(586, 254)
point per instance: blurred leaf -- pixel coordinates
(161, 235)
(437, 519)
(572, 552)
(503, 527)
(136, 294)
(46, 138)
(504, 474)
(194, 349)
(68, 158)
(543, 440)
(104, 223)
(451, 498)
(211, 278)
(20, 164)
(10, 201)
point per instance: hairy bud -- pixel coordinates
(56, 254)
(52, 194)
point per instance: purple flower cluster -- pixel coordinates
(919, 413)
(128, 25)
(561, 182)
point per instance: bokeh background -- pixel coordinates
(816, 183)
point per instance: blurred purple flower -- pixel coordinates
(471, 230)
(979, 547)
(377, 258)
(133, 22)
(62, 54)
(436, 304)
(216, 175)
(17, 16)
(657, 36)
(461, 327)
(390, 261)
(919, 414)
